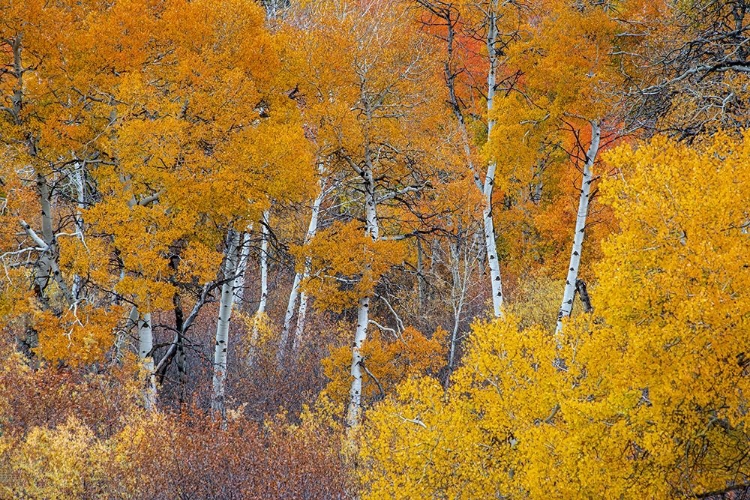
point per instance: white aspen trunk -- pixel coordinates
(145, 347)
(489, 180)
(354, 410)
(583, 209)
(222, 327)
(291, 306)
(263, 286)
(78, 179)
(239, 291)
(45, 268)
(457, 296)
(264, 264)
(312, 228)
(299, 330)
(489, 249)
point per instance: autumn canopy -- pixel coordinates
(375, 249)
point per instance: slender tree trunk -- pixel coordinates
(239, 291)
(355, 391)
(460, 257)
(264, 265)
(291, 306)
(222, 327)
(312, 228)
(489, 179)
(363, 311)
(583, 210)
(263, 287)
(79, 178)
(491, 250)
(299, 330)
(45, 262)
(486, 188)
(180, 356)
(182, 368)
(145, 351)
(457, 296)
(46, 267)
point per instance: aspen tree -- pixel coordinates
(368, 109)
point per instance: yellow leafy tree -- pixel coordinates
(647, 399)
(388, 358)
(370, 118)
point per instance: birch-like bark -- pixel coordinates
(457, 301)
(145, 351)
(45, 262)
(354, 411)
(312, 228)
(46, 267)
(299, 330)
(263, 264)
(222, 327)
(79, 179)
(363, 311)
(486, 188)
(291, 306)
(583, 210)
(239, 291)
(489, 179)
(263, 287)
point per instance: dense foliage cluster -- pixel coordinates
(374, 249)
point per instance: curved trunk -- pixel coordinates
(291, 306)
(583, 209)
(486, 188)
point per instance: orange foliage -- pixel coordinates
(388, 359)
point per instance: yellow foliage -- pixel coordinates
(536, 301)
(260, 329)
(388, 360)
(61, 463)
(347, 264)
(77, 337)
(646, 399)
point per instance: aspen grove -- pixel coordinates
(369, 249)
